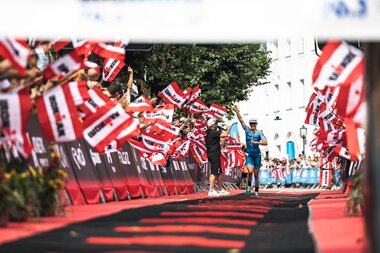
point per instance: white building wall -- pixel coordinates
(279, 105)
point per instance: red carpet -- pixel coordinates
(333, 230)
(18, 230)
(196, 222)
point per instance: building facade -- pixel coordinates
(279, 104)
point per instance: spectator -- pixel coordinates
(213, 154)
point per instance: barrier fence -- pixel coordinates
(120, 175)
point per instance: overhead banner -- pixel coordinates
(195, 21)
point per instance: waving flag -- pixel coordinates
(162, 115)
(63, 65)
(59, 44)
(169, 133)
(141, 149)
(58, 115)
(181, 149)
(130, 132)
(154, 142)
(140, 104)
(343, 152)
(111, 69)
(102, 127)
(109, 51)
(336, 63)
(17, 52)
(97, 99)
(198, 107)
(15, 108)
(79, 93)
(157, 159)
(173, 95)
(219, 111)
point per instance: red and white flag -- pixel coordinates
(109, 51)
(58, 115)
(132, 131)
(15, 108)
(16, 51)
(198, 107)
(279, 173)
(173, 95)
(141, 149)
(199, 153)
(79, 93)
(169, 133)
(163, 115)
(82, 47)
(140, 104)
(343, 152)
(157, 158)
(102, 127)
(97, 99)
(181, 149)
(219, 111)
(195, 94)
(153, 141)
(59, 44)
(351, 94)
(325, 178)
(337, 62)
(63, 65)
(111, 69)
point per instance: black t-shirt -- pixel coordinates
(213, 142)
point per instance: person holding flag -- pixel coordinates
(254, 138)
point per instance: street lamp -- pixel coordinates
(303, 133)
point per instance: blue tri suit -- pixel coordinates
(253, 150)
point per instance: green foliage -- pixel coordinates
(355, 203)
(226, 72)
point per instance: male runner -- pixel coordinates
(254, 138)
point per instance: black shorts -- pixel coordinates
(216, 168)
(244, 175)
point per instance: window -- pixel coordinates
(289, 95)
(276, 102)
(301, 48)
(302, 96)
(274, 49)
(287, 48)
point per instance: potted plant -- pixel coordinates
(11, 200)
(51, 181)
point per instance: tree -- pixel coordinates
(226, 72)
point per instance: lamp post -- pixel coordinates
(303, 133)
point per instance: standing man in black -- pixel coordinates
(213, 154)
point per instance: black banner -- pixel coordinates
(145, 177)
(99, 167)
(88, 181)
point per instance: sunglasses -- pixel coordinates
(253, 123)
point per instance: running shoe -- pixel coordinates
(256, 194)
(223, 192)
(213, 193)
(248, 190)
